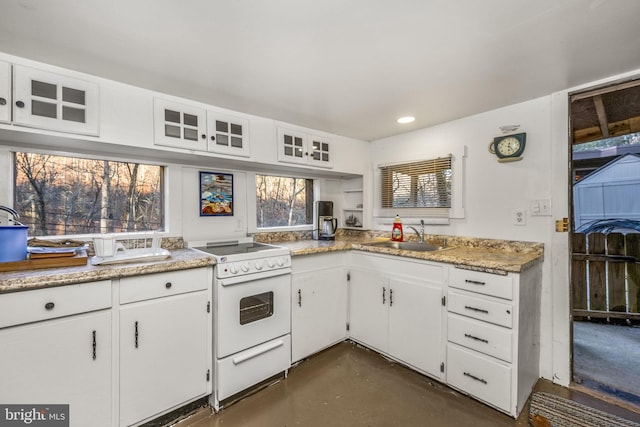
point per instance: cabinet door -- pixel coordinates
(415, 324)
(318, 311)
(320, 153)
(61, 361)
(292, 146)
(163, 354)
(177, 125)
(5, 92)
(228, 134)
(55, 102)
(368, 309)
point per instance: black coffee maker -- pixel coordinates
(324, 223)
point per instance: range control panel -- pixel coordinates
(252, 266)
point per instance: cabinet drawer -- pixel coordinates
(480, 376)
(481, 308)
(140, 288)
(247, 368)
(483, 283)
(43, 304)
(489, 339)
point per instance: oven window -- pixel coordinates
(256, 307)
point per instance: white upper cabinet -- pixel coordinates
(302, 148)
(195, 128)
(178, 125)
(5, 92)
(55, 102)
(228, 134)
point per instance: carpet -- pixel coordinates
(566, 413)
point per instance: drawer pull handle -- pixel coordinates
(480, 310)
(136, 333)
(476, 338)
(475, 282)
(257, 351)
(94, 345)
(299, 297)
(473, 377)
(49, 306)
(384, 299)
(390, 297)
(168, 285)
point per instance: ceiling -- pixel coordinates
(346, 67)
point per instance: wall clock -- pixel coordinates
(508, 148)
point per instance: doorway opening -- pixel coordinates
(605, 240)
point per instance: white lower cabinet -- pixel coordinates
(493, 336)
(318, 303)
(164, 344)
(64, 356)
(398, 315)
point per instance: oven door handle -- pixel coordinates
(255, 352)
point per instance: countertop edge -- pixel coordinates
(181, 259)
(471, 258)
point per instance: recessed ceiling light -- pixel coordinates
(406, 119)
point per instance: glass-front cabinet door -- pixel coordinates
(55, 102)
(320, 152)
(292, 146)
(178, 125)
(228, 134)
(5, 92)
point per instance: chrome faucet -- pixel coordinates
(420, 233)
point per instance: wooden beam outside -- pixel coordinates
(600, 91)
(594, 133)
(602, 115)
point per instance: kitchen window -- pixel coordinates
(421, 189)
(283, 201)
(57, 195)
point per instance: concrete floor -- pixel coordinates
(606, 358)
(348, 385)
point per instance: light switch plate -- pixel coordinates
(540, 207)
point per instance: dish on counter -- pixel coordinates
(132, 255)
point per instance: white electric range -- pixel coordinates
(252, 314)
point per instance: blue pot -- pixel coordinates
(13, 243)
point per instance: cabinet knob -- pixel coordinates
(49, 306)
(213, 137)
(203, 136)
(19, 104)
(168, 285)
(3, 101)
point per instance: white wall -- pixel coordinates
(492, 191)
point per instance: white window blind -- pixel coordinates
(421, 188)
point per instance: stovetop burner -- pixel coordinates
(233, 249)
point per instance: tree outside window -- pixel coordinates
(58, 195)
(283, 201)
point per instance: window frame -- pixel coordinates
(430, 215)
(10, 152)
(252, 219)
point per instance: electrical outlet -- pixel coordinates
(519, 217)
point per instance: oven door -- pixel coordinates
(251, 310)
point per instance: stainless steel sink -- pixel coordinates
(407, 246)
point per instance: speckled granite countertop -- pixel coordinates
(181, 259)
(488, 255)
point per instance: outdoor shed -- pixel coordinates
(612, 191)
